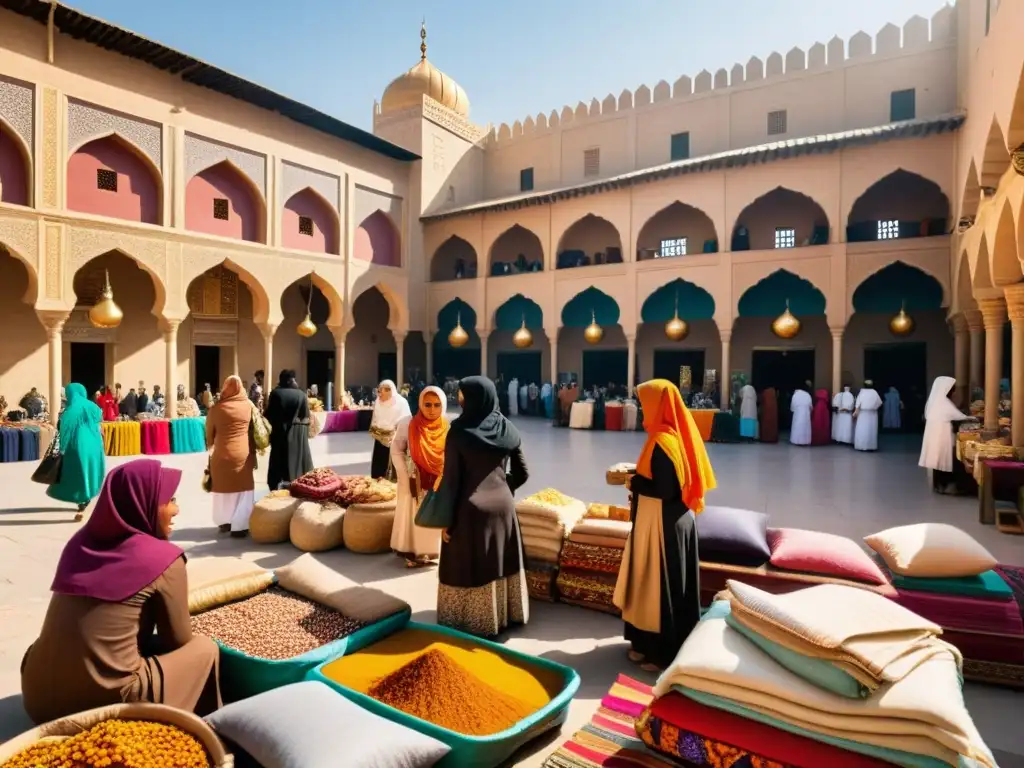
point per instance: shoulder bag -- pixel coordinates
(49, 470)
(436, 509)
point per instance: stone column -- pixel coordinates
(993, 312)
(976, 328)
(339, 362)
(1015, 306)
(268, 330)
(171, 367)
(837, 359)
(54, 324)
(724, 376)
(630, 363)
(400, 357)
(554, 359)
(483, 351)
(961, 357)
(428, 340)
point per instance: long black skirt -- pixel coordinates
(680, 590)
(380, 461)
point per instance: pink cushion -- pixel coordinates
(824, 554)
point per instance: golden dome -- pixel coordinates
(593, 333)
(522, 338)
(786, 325)
(676, 329)
(458, 337)
(105, 313)
(902, 324)
(424, 79)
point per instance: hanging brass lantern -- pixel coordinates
(594, 332)
(307, 327)
(677, 329)
(458, 337)
(522, 338)
(901, 324)
(105, 313)
(786, 325)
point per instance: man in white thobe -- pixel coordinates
(842, 424)
(865, 435)
(892, 410)
(513, 397)
(801, 405)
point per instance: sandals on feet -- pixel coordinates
(635, 656)
(650, 668)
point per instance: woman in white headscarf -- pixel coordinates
(388, 409)
(938, 445)
(748, 412)
(417, 453)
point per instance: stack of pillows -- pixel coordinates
(591, 558)
(544, 519)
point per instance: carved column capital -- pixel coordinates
(975, 322)
(959, 323)
(1015, 301)
(339, 332)
(837, 331)
(993, 313)
(268, 330)
(399, 336)
(53, 321)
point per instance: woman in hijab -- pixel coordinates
(658, 588)
(108, 405)
(83, 461)
(288, 415)
(547, 398)
(233, 459)
(482, 587)
(748, 412)
(389, 409)
(118, 580)
(129, 405)
(769, 424)
(821, 419)
(419, 439)
(938, 447)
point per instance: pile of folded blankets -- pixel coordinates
(830, 675)
(589, 566)
(544, 519)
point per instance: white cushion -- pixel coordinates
(931, 551)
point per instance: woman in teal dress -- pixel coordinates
(81, 445)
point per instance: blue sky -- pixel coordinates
(513, 58)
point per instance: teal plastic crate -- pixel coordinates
(476, 751)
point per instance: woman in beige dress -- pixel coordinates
(229, 434)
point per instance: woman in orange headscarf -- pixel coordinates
(658, 589)
(417, 453)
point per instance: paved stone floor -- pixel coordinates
(832, 489)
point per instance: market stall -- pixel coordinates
(341, 421)
(188, 435)
(121, 438)
(156, 437)
(24, 441)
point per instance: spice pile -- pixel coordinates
(317, 484)
(275, 624)
(436, 688)
(117, 744)
(360, 489)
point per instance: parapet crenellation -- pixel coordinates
(916, 35)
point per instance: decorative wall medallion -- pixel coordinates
(17, 108)
(202, 153)
(88, 121)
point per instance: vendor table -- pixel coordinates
(188, 435)
(725, 428)
(318, 422)
(343, 421)
(704, 419)
(156, 437)
(23, 441)
(364, 417)
(1001, 481)
(613, 413)
(121, 438)
(582, 415)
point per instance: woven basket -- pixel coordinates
(317, 528)
(619, 474)
(367, 528)
(153, 713)
(270, 519)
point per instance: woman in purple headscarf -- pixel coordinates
(118, 628)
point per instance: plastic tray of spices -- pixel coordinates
(242, 675)
(477, 751)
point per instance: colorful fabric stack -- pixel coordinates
(832, 664)
(544, 519)
(589, 566)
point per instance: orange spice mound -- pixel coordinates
(436, 688)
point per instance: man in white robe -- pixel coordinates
(891, 412)
(842, 424)
(801, 405)
(513, 397)
(865, 434)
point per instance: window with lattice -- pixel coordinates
(106, 180)
(785, 237)
(591, 163)
(220, 208)
(777, 122)
(675, 246)
(888, 229)
(903, 105)
(305, 226)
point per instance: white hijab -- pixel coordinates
(386, 415)
(441, 396)
(939, 407)
(939, 413)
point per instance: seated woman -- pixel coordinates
(118, 580)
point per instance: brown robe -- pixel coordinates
(92, 653)
(234, 453)
(769, 417)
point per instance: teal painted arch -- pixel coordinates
(450, 314)
(898, 285)
(694, 303)
(769, 296)
(511, 315)
(588, 304)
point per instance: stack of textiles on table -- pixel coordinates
(589, 566)
(830, 675)
(544, 519)
(24, 440)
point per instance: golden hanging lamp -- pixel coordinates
(307, 328)
(105, 313)
(522, 338)
(786, 325)
(677, 329)
(593, 332)
(458, 337)
(901, 324)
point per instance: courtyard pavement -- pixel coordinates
(831, 489)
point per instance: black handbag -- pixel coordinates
(49, 469)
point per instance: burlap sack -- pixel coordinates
(316, 528)
(214, 581)
(66, 727)
(368, 530)
(315, 581)
(271, 517)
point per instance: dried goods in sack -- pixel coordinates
(318, 485)
(361, 489)
(317, 527)
(271, 517)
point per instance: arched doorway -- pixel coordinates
(312, 358)
(781, 218)
(591, 240)
(455, 259)
(14, 168)
(516, 251)
(221, 200)
(700, 351)
(605, 364)
(676, 230)
(371, 353)
(23, 354)
(908, 363)
(529, 365)
(901, 205)
(456, 362)
(377, 241)
(110, 177)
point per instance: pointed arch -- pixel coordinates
(781, 217)
(310, 223)
(397, 316)
(995, 158)
(588, 239)
(964, 287)
(326, 306)
(515, 311)
(222, 200)
(454, 259)
(31, 292)
(677, 229)
(590, 304)
(900, 205)
(1005, 264)
(516, 250)
(768, 296)
(456, 312)
(15, 167)
(378, 241)
(897, 285)
(694, 303)
(110, 176)
(971, 196)
(982, 275)
(129, 291)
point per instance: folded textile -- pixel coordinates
(923, 713)
(541, 585)
(541, 566)
(988, 585)
(610, 542)
(581, 586)
(567, 513)
(541, 529)
(970, 613)
(869, 637)
(547, 547)
(613, 529)
(586, 557)
(607, 512)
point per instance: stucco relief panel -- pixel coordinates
(295, 178)
(17, 108)
(54, 252)
(85, 244)
(87, 122)
(51, 182)
(22, 237)
(201, 154)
